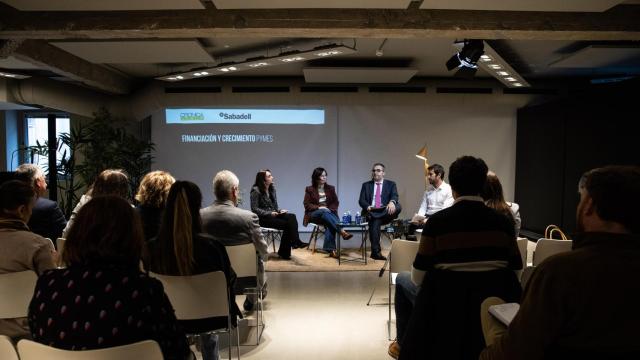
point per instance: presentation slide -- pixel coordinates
(195, 143)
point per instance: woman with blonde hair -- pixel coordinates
(152, 197)
(182, 249)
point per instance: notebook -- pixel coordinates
(504, 312)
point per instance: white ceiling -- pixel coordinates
(311, 4)
(361, 75)
(600, 56)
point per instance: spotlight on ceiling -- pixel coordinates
(467, 58)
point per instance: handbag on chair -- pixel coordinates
(552, 229)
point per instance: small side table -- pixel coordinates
(363, 229)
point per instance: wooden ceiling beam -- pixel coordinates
(618, 23)
(47, 56)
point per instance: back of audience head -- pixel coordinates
(224, 184)
(17, 199)
(154, 188)
(315, 176)
(614, 194)
(34, 175)
(467, 176)
(181, 221)
(111, 182)
(493, 195)
(107, 229)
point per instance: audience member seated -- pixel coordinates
(380, 206)
(102, 299)
(467, 252)
(109, 182)
(494, 198)
(47, 220)
(321, 207)
(21, 249)
(583, 304)
(182, 249)
(264, 203)
(437, 197)
(151, 198)
(231, 225)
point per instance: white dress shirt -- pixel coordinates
(436, 199)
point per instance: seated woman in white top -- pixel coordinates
(494, 198)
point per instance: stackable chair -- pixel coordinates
(401, 257)
(271, 236)
(60, 246)
(198, 297)
(16, 291)
(544, 249)
(244, 262)
(147, 350)
(316, 232)
(7, 350)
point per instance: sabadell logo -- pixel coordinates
(227, 116)
(191, 116)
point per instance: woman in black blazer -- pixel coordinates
(321, 207)
(264, 203)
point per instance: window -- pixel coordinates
(37, 132)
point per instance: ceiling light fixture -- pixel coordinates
(259, 62)
(13, 75)
(497, 67)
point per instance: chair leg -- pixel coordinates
(313, 239)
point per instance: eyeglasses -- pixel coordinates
(377, 170)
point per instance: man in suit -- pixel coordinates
(379, 201)
(234, 226)
(47, 220)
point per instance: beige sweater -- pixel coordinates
(22, 250)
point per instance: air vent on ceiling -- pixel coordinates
(192, 89)
(456, 90)
(260, 89)
(530, 91)
(397, 89)
(329, 89)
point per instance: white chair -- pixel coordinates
(271, 236)
(199, 297)
(7, 350)
(316, 232)
(16, 291)
(522, 247)
(544, 249)
(60, 247)
(401, 257)
(244, 262)
(147, 350)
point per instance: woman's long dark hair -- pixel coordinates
(260, 183)
(105, 229)
(315, 176)
(180, 222)
(494, 198)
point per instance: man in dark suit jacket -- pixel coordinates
(47, 220)
(379, 202)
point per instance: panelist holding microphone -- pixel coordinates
(379, 202)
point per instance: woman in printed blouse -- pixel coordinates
(102, 299)
(264, 203)
(321, 207)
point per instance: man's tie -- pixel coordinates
(378, 200)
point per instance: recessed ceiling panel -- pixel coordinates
(523, 5)
(13, 63)
(361, 75)
(98, 5)
(131, 52)
(594, 57)
(311, 4)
